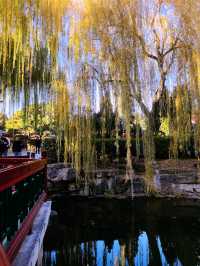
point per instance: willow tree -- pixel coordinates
(140, 45)
(135, 42)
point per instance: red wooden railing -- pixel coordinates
(15, 174)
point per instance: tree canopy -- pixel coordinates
(130, 55)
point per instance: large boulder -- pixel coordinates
(60, 172)
(65, 174)
(52, 169)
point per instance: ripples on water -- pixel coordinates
(114, 233)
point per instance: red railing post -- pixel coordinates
(3, 257)
(25, 228)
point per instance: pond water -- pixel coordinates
(100, 232)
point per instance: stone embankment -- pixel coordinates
(171, 179)
(62, 178)
(178, 178)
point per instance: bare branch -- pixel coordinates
(173, 47)
(157, 40)
(144, 48)
(171, 61)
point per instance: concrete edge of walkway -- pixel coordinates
(30, 249)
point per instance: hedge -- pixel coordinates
(162, 145)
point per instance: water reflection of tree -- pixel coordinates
(86, 254)
(180, 239)
(169, 236)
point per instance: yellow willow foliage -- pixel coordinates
(127, 105)
(25, 26)
(87, 152)
(97, 21)
(137, 137)
(61, 110)
(195, 83)
(180, 121)
(183, 111)
(188, 11)
(82, 153)
(74, 125)
(52, 12)
(149, 151)
(117, 136)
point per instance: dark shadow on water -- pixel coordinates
(100, 232)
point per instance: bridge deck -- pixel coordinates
(22, 193)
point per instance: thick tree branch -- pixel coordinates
(173, 47)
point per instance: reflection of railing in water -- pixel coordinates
(22, 191)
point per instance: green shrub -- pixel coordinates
(50, 146)
(162, 144)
